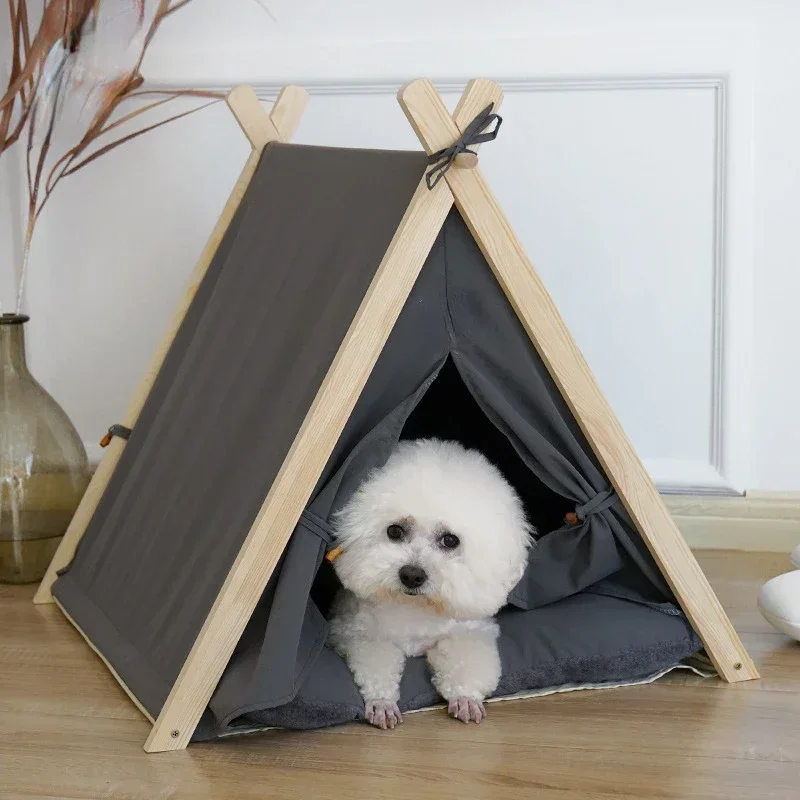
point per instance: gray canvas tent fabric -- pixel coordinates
(236, 384)
(457, 327)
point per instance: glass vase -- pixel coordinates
(44, 470)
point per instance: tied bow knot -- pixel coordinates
(475, 133)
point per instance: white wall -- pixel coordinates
(646, 161)
(10, 216)
(775, 457)
(10, 225)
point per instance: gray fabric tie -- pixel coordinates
(475, 133)
(600, 502)
(317, 525)
(115, 430)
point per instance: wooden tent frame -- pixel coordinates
(464, 186)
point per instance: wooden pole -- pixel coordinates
(549, 334)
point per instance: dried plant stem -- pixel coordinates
(33, 190)
(63, 165)
(5, 119)
(41, 69)
(26, 253)
(106, 148)
(35, 207)
(176, 6)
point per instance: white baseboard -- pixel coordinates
(758, 521)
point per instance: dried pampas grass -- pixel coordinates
(83, 60)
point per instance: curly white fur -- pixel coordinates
(447, 516)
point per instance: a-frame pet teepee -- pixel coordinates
(348, 298)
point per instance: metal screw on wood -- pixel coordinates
(737, 665)
(175, 734)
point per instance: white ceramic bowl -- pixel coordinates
(779, 603)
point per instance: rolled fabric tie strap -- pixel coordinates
(600, 502)
(321, 528)
(115, 430)
(317, 525)
(475, 133)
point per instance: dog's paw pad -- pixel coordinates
(382, 713)
(466, 709)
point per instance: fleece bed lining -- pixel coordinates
(696, 665)
(594, 639)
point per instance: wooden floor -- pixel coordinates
(67, 730)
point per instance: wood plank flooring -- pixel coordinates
(68, 731)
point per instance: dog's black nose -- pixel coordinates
(412, 577)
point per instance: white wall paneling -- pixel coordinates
(775, 456)
(615, 185)
(625, 163)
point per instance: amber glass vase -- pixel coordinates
(43, 466)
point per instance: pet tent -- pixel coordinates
(347, 299)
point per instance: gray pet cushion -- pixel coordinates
(588, 638)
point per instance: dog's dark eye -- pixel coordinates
(395, 532)
(449, 541)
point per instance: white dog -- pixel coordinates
(430, 545)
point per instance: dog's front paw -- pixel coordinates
(382, 713)
(466, 709)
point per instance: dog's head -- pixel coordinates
(438, 526)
